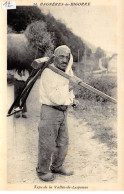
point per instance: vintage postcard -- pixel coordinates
(61, 95)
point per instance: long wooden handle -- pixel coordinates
(79, 82)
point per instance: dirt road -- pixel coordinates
(89, 158)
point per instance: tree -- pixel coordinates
(63, 35)
(99, 53)
(22, 16)
(56, 33)
(88, 52)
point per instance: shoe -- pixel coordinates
(17, 115)
(46, 177)
(24, 115)
(62, 171)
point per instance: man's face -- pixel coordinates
(61, 61)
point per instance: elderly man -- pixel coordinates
(55, 97)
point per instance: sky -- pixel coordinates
(95, 24)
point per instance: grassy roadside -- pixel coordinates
(100, 114)
(101, 118)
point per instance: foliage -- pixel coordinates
(101, 118)
(22, 49)
(103, 83)
(99, 53)
(38, 37)
(63, 35)
(22, 16)
(59, 34)
(88, 52)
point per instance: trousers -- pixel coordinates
(18, 86)
(53, 139)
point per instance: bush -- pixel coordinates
(105, 84)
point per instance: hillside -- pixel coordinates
(24, 17)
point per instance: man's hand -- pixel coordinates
(75, 103)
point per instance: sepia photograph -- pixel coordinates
(62, 72)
